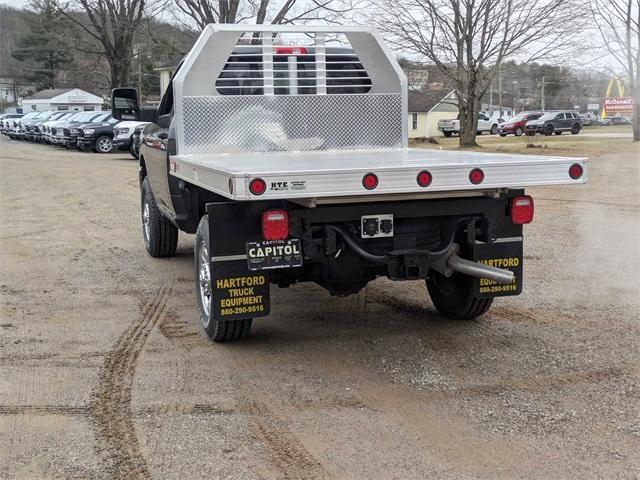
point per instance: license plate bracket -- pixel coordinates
(274, 254)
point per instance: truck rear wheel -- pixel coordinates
(160, 235)
(218, 330)
(453, 296)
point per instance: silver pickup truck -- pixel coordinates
(485, 125)
(284, 149)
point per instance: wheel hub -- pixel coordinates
(104, 145)
(204, 277)
(146, 220)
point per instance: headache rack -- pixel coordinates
(310, 111)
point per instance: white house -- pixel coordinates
(62, 99)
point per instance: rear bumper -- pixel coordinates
(335, 255)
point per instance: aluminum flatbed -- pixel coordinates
(334, 174)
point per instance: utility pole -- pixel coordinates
(542, 103)
(491, 99)
(500, 89)
(140, 73)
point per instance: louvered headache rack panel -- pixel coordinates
(254, 89)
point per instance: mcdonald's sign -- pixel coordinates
(619, 105)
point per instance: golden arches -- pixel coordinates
(615, 81)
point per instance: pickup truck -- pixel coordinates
(284, 150)
(452, 127)
(123, 136)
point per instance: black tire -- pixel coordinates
(159, 234)
(132, 151)
(518, 132)
(447, 134)
(494, 129)
(103, 144)
(575, 129)
(218, 330)
(453, 296)
(548, 130)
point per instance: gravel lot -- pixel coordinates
(105, 373)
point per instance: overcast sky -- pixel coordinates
(13, 3)
(596, 62)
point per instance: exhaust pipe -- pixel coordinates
(475, 269)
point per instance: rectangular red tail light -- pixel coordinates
(290, 51)
(522, 210)
(275, 224)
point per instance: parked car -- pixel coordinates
(6, 119)
(37, 127)
(97, 136)
(452, 127)
(135, 141)
(123, 135)
(555, 123)
(619, 120)
(15, 126)
(67, 132)
(517, 124)
(50, 127)
(588, 119)
(24, 128)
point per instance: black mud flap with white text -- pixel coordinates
(506, 255)
(236, 292)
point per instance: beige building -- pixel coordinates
(165, 77)
(426, 109)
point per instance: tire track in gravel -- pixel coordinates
(111, 410)
(287, 453)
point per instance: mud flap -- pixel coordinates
(236, 292)
(507, 255)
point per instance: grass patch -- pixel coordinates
(581, 145)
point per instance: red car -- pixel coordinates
(517, 123)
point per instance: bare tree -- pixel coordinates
(112, 24)
(204, 12)
(468, 40)
(619, 24)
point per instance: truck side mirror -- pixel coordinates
(124, 104)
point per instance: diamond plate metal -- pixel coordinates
(242, 124)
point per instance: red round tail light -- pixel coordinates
(476, 176)
(424, 178)
(257, 186)
(370, 181)
(575, 171)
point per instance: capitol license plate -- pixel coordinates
(272, 254)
